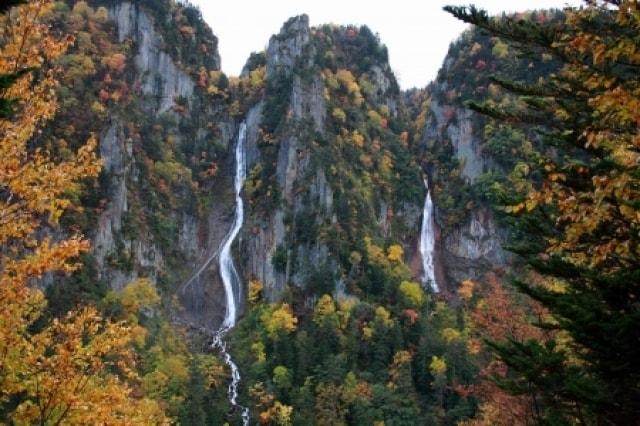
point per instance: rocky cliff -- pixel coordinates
(320, 97)
(164, 137)
(332, 157)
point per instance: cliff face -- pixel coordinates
(331, 163)
(336, 158)
(449, 141)
(267, 233)
(164, 142)
(474, 244)
(291, 244)
(160, 76)
(463, 152)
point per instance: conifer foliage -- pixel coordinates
(581, 210)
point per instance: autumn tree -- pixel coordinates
(499, 315)
(63, 372)
(578, 217)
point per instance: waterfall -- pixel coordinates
(427, 242)
(231, 279)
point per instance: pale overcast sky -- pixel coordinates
(416, 32)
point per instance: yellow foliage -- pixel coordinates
(374, 253)
(281, 414)
(339, 115)
(344, 311)
(400, 360)
(386, 164)
(281, 376)
(357, 139)
(355, 258)
(330, 80)
(68, 368)
(450, 335)
(438, 366)
(255, 291)
(500, 49)
(98, 108)
(367, 332)
(324, 308)
(413, 292)
(474, 346)
(466, 289)
(384, 316)
(375, 117)
(275, 413)
(212, 89)
(357, 98)
(346, 78)
(214, 371)
(138, 295)
(259, 353)
(555, 285)
(257, 77)
(279, 318)
(116, 62)
(395, 253)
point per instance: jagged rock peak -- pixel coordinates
(288, 45)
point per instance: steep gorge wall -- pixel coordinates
(328, 163)
(465, 152)
(158, 222)
(276, 248)
(474, 246)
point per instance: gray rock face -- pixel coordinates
(264, 236)
(144, 256)
(113, 154)
(322, 192)
(303, 184)
(456, 123)
(479, 239)
(476, 246)
(309, 101)
(262, 240)
(380, 80)
(122, 258)
(287, 46)
(253, 119)
(160, 77)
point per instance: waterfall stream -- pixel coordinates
(231, 278)
(427, 242)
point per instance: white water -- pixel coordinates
(427, 242)
(231, 279)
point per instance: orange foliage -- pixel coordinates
(117, 62)
(64, 373)
(497, 317)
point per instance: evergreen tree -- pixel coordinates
(578, 223)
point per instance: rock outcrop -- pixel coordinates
(274, 251)
(124, 252)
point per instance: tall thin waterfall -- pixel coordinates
(427, 242)
(231, 279)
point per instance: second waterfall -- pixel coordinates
(427, 242)
(231, 278)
